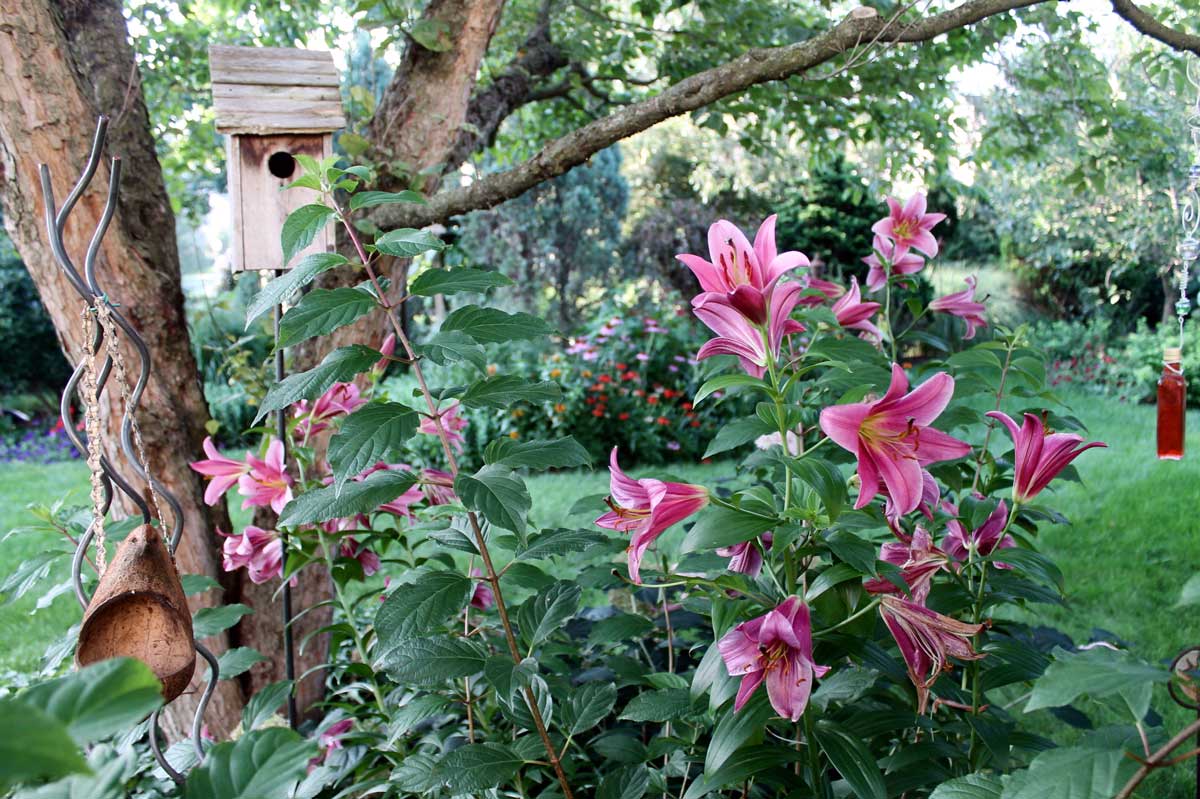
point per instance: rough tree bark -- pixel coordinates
(61, 64)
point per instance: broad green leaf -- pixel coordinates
(627, 782)
(370, 199)
(663, 705)
(972, 786)
(265, 703)
(1190, 595)
(262, 764)
(408, 243)
(210, 621)
(28, 574)
(836, 574)
(719, 526)
(856, 552)
(852, 760)
(825, 479)
(493, 326)
(35, 745)
(376, 432)
(722, 382)
(416, 774)
(338, 366)
(503, 391)
(1096, 672)
(279, 289)
(559, 453)
(735, 730)
(498, 494)
(558, 542)
(418, 709)
(752, 761)
(590, 704)
(322, 311)
(432, 661)
(301, 227)
(844, 685)
(453, 346)
(455, 281)
(620, 627)
(356, 496)
(237, 661)
(197, 583)
(1095, 768)
(736, 433)
(508, 678)
(545, 612)
(100, 700)
(477, 767)
(419, 608)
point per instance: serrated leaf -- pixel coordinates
(210, 621)
(100, 700)
(262, 764)
(370, 199)
(627, 782)
(477, 767)
(662, 705)
(498, 494)
(279, 289)
(322, 311)
(972, 786)
(432, 282)
(589, 706)
(265, 703)
(197, 583)
(339, 366)
(237, 661)
(356, 496)
(559, 453)
(34, 745)
(417, 710)
(408, 243)
(450, 346)
(432, 661)
(419, 608)
(502, 391)
(1096, 672)
(720, 526)
(546, 611)
(493, 326)
(558, 542)
(376, 432)
(301, 227)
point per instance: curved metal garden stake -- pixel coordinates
(92, 293)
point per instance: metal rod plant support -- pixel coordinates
(89, 289)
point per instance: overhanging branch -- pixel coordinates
(1148, 25)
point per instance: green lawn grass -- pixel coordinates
(1131, 544)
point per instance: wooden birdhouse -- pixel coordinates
(274, 103)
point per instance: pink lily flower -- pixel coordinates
(365, 557)
(645, 508)
(910, 226)
(482, 598)
(401, 505)
(930, 493)
(854, 314)
(745, 275)
(775, 647)
(918, 561)
(888, 258)
(223, 473)
(267, 482)
(828, 288)
(451, 422)
(963, 305)
(258, 551)
(740, 336)
(387, 349)
(747, 557)
(985, 540)
(340, 399)
(927, 641)
(331, 739)
(1039, 455)
(438, 487)
(892, 439)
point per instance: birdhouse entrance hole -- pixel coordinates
(281, 164)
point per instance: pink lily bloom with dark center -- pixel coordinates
(267, 482)
(339, 400)
(747, 557)
(1039, 455)
(828, 289)
(645, 508)
(743, 274)
(854, 314)
(258, 551)
(482, 598)
(775, 647)
(963, 305)
(451, 422)
(909, 226)
(887, 259)
(918, 561)
(366, 558)
(892, 439)
(438, 487)
(984, 540)
(927, 641)
(223, 473)
(743, 337)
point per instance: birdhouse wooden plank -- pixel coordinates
(274, 103)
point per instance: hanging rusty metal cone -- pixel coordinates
(139, 611)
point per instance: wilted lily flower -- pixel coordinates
(927, 641)
(646, 508)
(984, 540)
(963, 305)
(892, 439)
(223, 472)
(1039, 455)
(909, 226)
(776, 647)
(267, 481)
(742, 336)
(918, 561)
(854, 314)
(889, 258)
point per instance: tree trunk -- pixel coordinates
(61, 64)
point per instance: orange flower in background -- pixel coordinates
(560, 408)
(556, 373)
(514, 435)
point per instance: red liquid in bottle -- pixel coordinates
(1172, 403)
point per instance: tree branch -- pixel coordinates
(696, 91)
(1148, 25)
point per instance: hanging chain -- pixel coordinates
(91, 415)
(1189, 204)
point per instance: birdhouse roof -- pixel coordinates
(265, 90)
